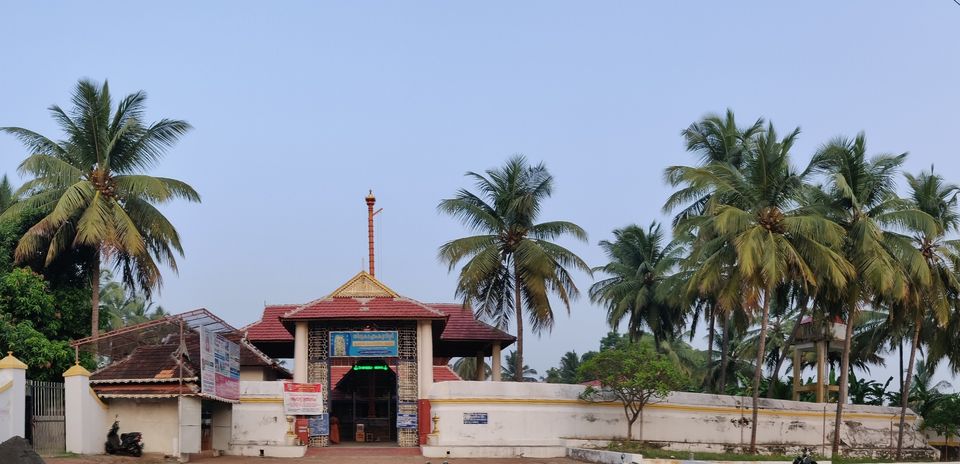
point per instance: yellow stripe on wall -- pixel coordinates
(6, 386)
(261, 400)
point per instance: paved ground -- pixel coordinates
(306, 460)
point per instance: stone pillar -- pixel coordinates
(495, 363)
(424, 357)
(13, 390)
(301, 334)
(84, 414)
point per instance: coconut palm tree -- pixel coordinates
(715, 139)
(935, 291)
(640, 261)
(526, 374)
(513, 265)
(466, 368)
(860, 196)
(754, 210)
(93, 189)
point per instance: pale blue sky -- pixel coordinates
(300, 107)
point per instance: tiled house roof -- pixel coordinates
(269, 328)
(463, 325)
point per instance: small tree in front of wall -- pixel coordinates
(633, 376)
(944, 419)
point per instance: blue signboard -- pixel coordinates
(474, 418)
(320, 425)
(368, 344)
(406, 421)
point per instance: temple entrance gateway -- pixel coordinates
(364, 402)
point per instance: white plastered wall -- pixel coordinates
(541, 419)
(156, 419)
(13, 383)
(259, 423)
(85, 417)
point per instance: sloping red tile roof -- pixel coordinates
(269, 328)
(463, 325)
(145, 390)
(378, 308)
(159, 362)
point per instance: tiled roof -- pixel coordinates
(163, 390)
(269, 328)
(463, 325)
(158, 363)
(377, 308)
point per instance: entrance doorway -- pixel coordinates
(364, 403)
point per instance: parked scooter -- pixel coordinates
(130, 444)
(804, 458)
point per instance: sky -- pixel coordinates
(300, 108)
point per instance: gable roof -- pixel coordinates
(363, 297)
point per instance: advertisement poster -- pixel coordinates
(302, 399)
(219, 366)
(366, 344)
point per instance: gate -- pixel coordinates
(46, 428)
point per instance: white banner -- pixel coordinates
(302, 399)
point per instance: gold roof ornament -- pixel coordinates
(363, 285)
(11, 362)
(76, 370)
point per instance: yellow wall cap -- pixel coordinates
(76, 369)
(11, 362)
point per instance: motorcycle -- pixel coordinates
(126, 443)
(804, 458)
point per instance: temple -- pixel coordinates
(376, 352)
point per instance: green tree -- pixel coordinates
(508, 370)
(567, 371)
(513, 265)
(122, 307)
(466, 368)
(860, 196)
(97, 197)
(639, 264)
(935, 288)
(754, 210)
(715, 139)
(32, 326)
(944, 419)
(634, 377)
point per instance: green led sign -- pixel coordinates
(370, 368)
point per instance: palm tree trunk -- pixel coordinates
(710, 346)
(900, 348)
(724, 356)
(905, 392)
(518, 373)
(844, 374)
(758, 370)
(95, 297)
(786, 346)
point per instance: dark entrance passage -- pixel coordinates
(364, 402)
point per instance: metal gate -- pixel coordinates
(46, 428)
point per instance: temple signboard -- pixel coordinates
(363, 344)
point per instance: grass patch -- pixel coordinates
(649, 451)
